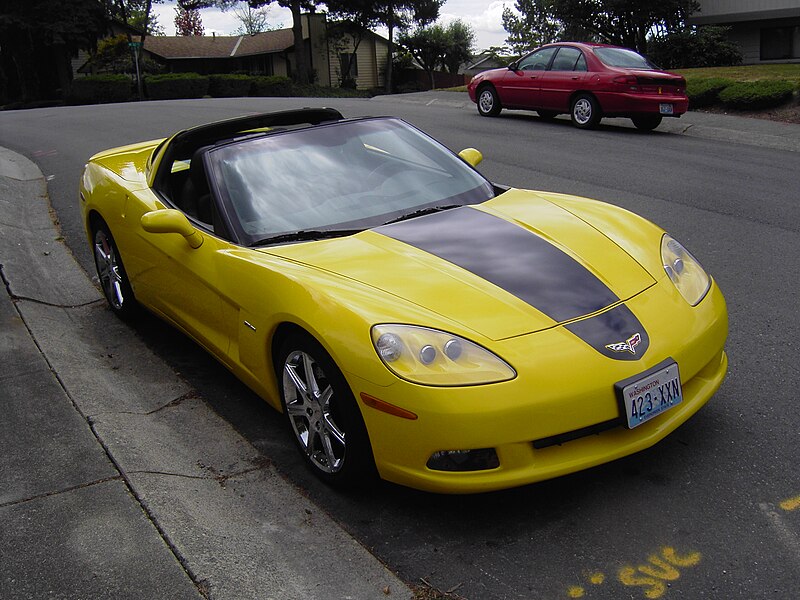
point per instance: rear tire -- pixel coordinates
(323, 414)
(488, 102)
(646, 122)
(111, 272)
(585, 111)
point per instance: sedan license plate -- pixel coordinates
(665, 108)
(651, 394)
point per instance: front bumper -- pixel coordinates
(563, 386)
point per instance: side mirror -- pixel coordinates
(471, 156)
(513, 66)
(171, 221)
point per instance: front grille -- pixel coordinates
(562, 438)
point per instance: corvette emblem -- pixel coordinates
(628, 345)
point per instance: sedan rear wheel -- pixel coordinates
(585, 111)
(323, 414)
(111, 273)
(646, 122)
(488, 102)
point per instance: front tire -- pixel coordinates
(646, 122)
(488, 102)
(585, 112)
(322, 413)
(111, 273)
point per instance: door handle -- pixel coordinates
(576, 76)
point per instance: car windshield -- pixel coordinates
(339, 177)
(621, 57)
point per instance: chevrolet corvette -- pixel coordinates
(411, 319)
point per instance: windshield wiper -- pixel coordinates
(423, 211)
(306, 234)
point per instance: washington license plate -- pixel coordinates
(665, 108)
(650, 395)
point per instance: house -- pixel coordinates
(765, 30)
(483, 62)
(328, 46)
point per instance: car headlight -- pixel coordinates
(684, 270)
(433, 357)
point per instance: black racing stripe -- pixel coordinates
(617, 328)
(530, 268)
(509, 256)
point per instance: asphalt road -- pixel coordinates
(711, 512)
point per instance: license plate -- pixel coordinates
(665, 108)
(648, 395)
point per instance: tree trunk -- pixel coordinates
(301, 73)
(389, 61)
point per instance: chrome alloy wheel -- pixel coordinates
(582, 111)
(308, 395)
(108, 269)
(486, 101)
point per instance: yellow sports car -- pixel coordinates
(411, 319)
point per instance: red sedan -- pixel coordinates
(587, 81)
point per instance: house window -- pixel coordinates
(780, 43)
(351, 59)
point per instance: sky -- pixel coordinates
(485, 18)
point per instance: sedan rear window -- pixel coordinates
(621, 57)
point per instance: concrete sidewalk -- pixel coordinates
(105, 490)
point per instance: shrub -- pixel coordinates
(176, 85)
(752, 95)
(229, 86)
(272, 85)
(99, 89)
(704, 47)
(705, 92)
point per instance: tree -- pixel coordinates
(428, 45)
(188, 21)
(134, 13)
(401, 14)
(253, 20)
(37, 41)
(623, 22)
(694, 47)
(531, 24)
(460, 45)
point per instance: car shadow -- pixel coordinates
(610, 124)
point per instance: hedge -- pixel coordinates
(272, 85)
(705, 92)
(98, 89)
(176, 85)
(751, 95)
(229, 86)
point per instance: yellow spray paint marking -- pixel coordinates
(791, 504)
(577, 591)
(597, 578)
(652, 577)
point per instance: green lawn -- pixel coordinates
(790, 72)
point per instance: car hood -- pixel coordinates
(510, 266)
